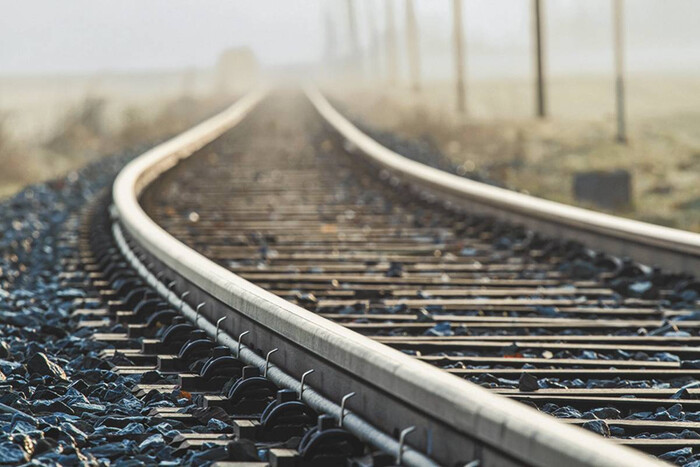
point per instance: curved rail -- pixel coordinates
(486, 423)
(673, 249)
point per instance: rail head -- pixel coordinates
(674, 249)
(517, 430)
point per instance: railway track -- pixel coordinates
(255, 422)
(371, 301)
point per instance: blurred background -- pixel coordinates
(588, 102)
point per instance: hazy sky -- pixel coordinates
(88, 35)
(98, 35)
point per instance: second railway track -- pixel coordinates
(284, 202)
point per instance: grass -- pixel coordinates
(45, 138)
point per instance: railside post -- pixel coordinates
(412, 43)
(329, 32)
(538, 46)
(618, 27)
(374, 51)
(355, 62)
(391, 59)
(458, 37)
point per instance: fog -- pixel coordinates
(78, 36)
(83, 36)
(660, 36)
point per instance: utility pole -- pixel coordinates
(354, 44)
(329, 32)
(412, 42)
(373, 51)
(618, 26)
(538, 43)
(391, 59)
(329, 51)
(458, 36)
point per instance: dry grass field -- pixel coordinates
(50, 125)
(500, 138)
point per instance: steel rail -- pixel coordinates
(500, 431)
(672, 249)
(351, 421)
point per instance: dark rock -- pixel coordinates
(528, 382)
(59, 435)
(44, 445)
(4, 349)
(19, 320)
(116, 393)
(662, 415)
(566, 412)
(606, 412)
(53, 331)
(597, 426)
(132, 429)
(120, 359)
(136, 461)
(51, 407)
(88, 362)
(44, 394)
(154, 441)
(40, 364)
(12, 454)
(121, 422)
(165, 429)
(676, 411)
(58, 418)
(204, 414)
(442, 328)
(667, 357)
(641, 416)
(152, 377)
(217, 425)
(580, 269)
(70, 293)
(617, 431)
(244, 450)
(104, 431)
(72, 397)
(113, 450)
(96, 376)
(80, 408)
(132, 405)
(674, 455)
(7, 367)
(80, 385)
(209, 454)
(25, 418)
(77, 434)
(21, 423)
